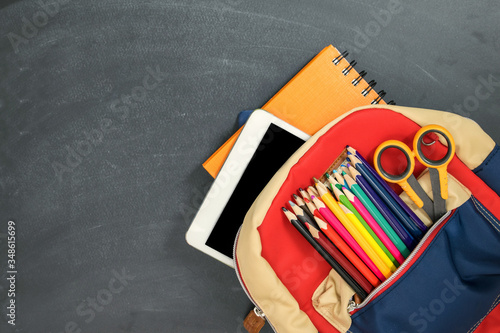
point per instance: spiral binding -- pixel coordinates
(346, 70)
(357, 80)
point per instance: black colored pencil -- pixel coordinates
(303, 205)
(332, 262)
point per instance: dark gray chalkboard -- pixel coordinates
(108, 109)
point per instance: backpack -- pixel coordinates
(449, 283)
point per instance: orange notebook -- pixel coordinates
(324, 89)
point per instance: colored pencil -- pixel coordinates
(310, 206)
(302, 205)
(389, 190)
(379, 218)
(299, 212)
(304, 193)
(335, 238)
(346, 236)
(332, 262)
(312, 191)
(339, 178)
(331, 181)
(386, 212)
(363, 235)
(339, 257)
(374, 226)
(398, 211)
(367, 232)
(334, 206)
(345, 170)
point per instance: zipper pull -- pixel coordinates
(351, 305)
(254, 322)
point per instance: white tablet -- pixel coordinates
(263, 146)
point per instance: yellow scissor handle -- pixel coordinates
(402, 178)
(411, 193)
(440, 164)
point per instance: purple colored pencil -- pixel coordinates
(400, 215)
(388, 215)
(391, 192)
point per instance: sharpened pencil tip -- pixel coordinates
(327, 175)
(334, 171)
(284, 209)
(295, 196)
(291, 203)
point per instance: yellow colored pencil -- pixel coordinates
(364, 233)
(363, 227)
(336, 209)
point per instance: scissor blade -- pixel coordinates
(428, 205)
(439, 202)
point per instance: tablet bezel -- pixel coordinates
(228, 177)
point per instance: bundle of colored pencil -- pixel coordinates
(351, 221)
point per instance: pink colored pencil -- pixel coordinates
(341, 230)
(374, 225)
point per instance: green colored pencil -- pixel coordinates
(345, 201)
(370, 207)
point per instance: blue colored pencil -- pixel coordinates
(400, 230)
(389, 190)
(389, 201)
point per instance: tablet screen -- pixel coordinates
(275, 148)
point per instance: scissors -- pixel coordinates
(437, 169)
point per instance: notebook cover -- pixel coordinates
(317, 94)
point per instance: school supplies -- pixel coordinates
(349, 224)
(343, 262)
(331, 261)
(393, 205)
(358, 206)
(341, 229)
(379, 218)
(435, 207)
(302, 206)
(335, 238)
(384, 210)
(388, 189)
(327, 87)
(449, 275)
(365, 229)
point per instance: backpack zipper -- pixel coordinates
(258, 311)
(352, 306)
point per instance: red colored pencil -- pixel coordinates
(335, 253)
(341, 238)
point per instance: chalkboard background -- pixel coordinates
(108, 109)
